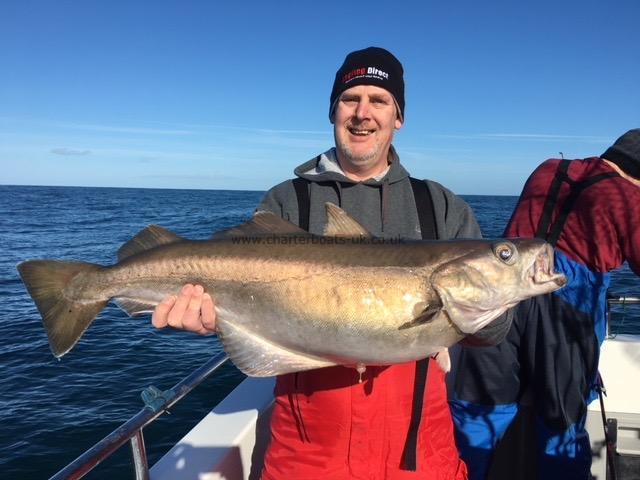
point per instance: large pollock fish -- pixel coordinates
(289, 301)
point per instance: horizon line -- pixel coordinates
(209, 189)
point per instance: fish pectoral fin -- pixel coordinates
(151, 237)
(258, 357)
(262, 223)
(133, 306)
(425, 317)
(340, 224)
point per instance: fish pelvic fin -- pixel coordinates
(151, 237)
(258, 357)
(135, 306)
(340, 224)
(65, 319)
(443, 359)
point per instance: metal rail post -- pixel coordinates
(133, 427)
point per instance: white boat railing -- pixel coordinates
(156, 403)
(624, 300)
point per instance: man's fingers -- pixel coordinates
(176, 314)
(191, 310)
(159, 319)
(208, 313)
(191, 319)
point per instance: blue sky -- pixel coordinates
(234, 95)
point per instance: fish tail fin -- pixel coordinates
(65, 318)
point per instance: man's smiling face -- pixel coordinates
(364, 119)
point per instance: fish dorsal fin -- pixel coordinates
(262, 223)
(340, 224)
(151, 237)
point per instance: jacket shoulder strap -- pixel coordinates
(427, 218)
(425, 209)
(301, 187)
(551, 231)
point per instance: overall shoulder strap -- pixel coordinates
(425, 209)
(552, 198)
(551, 231)
(301, 187)
(427, 218)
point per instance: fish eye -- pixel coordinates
(506, 252)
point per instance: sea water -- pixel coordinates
(52, 410)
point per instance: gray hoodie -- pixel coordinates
(385, 206)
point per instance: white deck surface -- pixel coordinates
(221, 445)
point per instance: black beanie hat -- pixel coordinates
(371, 66)
(625, 153)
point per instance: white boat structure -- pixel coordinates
(229, 442)
(620, 371)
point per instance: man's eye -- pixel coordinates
(380, 102)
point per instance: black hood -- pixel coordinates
(625, 153)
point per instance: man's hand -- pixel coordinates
(192, 310)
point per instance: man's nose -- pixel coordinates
(363, 110)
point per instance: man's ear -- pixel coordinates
(332, 112)
(397, 125)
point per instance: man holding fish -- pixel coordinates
(380, 422)
(347, 305)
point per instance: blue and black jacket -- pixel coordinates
(524, 401)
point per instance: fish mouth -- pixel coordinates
(542, 269)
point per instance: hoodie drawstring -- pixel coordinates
(338, 189)
(384, 202)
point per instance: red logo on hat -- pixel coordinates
(358, 72)
(365, 71)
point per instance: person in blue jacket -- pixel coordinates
(519, 408)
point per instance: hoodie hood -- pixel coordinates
(325, 168)
(369, 199)
(386, 207)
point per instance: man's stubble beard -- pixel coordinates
(358, 160)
